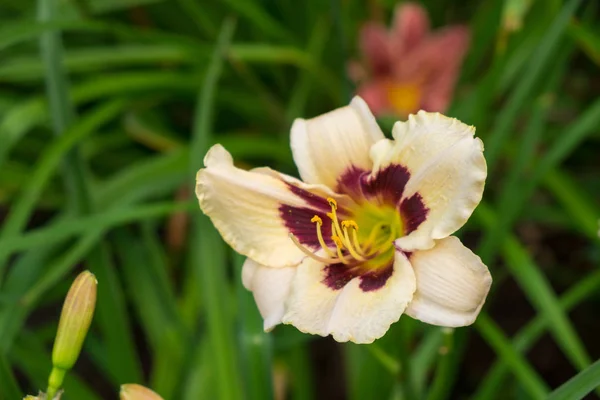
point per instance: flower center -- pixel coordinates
(404, 98)
(369, 248)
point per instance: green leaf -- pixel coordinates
(255, 344)
(523, 89)
(580, 385)
(47, 165)
(8, 383)
(207, 252)
(531, 381)
(539, 292)
(528, 335)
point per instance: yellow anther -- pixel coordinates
(338, 242)
(335, 227)
(332, 203)
(319, 222)
(349, 224)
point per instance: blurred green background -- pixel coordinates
(107, 108)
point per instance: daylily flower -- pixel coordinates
(364, 237)
(409, 68)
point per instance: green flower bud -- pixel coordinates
(42, 396)
(75, 320)
(132, 391)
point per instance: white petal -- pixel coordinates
(326, 146)
(248, 270)
(448, 172)
(452, 284)
(245, 207)
(270, 287)
(349, 313)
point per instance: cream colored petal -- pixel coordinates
(248, 269)
(349, 313)
(447, 170)
(270, 287)
(245, 207)
(452, 284)
(326, 146)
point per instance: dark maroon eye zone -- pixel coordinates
(385, 188)
(338, 275)
(298, 222)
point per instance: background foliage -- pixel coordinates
(107, 108)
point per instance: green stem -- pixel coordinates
(443, 374)
(55, 381)
(405, 375)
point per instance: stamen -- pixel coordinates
(356, 243)
(313, 255)
(349, 224)
(339, 245)
(333, 216)
(319, 222)
(332, 203)
(351, 249)
(344, 234)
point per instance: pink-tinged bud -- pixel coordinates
(133, 391)
(75, 320)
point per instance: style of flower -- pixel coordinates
(365, 236)
(409, 68)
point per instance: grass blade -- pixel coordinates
(527, 337)
(10, 389)
(255, 344)
(47, 165)
(539, 292)
(532, 383)
(580, 385)
(207, 253)
(526, 85)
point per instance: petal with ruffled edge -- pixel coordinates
(270, 287)
(256, 211)
(452, 284)
(349, 308)
(447, 172)
(326, 146)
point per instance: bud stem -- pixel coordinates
(55, 381)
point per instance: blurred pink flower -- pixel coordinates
(409, 68)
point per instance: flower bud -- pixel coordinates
(133, 391)
(75, 320)
(43, 396)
